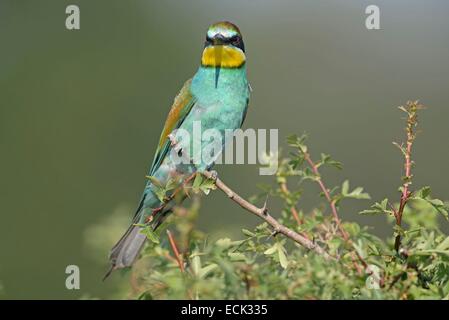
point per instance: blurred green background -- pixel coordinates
(81, 112)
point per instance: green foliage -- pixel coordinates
(261, 265)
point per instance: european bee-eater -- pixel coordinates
(217, 98)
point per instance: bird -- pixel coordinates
(216, 98)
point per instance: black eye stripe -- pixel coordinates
(227, 40)
(235, 40)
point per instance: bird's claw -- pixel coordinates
(174, 143)
(213, 175)
(172, 139)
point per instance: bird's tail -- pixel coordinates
(126, 250)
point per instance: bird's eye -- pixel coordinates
(208, 41)
(234, 39)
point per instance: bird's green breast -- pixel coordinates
(220, 108)
(225, 104)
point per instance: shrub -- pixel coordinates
(303, 256)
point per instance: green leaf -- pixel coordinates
(171, 184)
(377, 208)
(203, 272)
(334, 244)
(196, 263)
(437, 204)
(261, 227)
(308, 174)
(297, 142)
(345, 188)
(197, 183)
(440, 207)
(207, 185)
(297, 161)
(154, 181)
(357, 193)
(224, 243)
(422, 193)
(278, 248)
(248, 233)
(160, 193)
(150, 234)
(237, 256)
(429, 252)
(444, 245)
(327, 160)
(291, 139)
(282, 257)
(271, 250)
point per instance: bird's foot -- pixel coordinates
(213, 175)
(172, 139)
(174, 143)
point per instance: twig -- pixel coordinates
(326, 193)
(354, 256)
(264, 215)
(411, 108)
(284, 189)
(175, 250)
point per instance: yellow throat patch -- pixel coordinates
(222, 56)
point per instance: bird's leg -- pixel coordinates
(213, 175)
(174, 143)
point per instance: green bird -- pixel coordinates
(215, 98)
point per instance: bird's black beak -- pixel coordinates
(218, 39)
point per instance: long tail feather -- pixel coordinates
(125, 252)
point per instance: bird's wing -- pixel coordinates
(181, 107)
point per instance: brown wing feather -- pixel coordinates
(181, 107)
(181, 101)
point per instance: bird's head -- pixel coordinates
(223, 48)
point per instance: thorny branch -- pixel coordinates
(175, 251)
(260, 212)
(411, 109)
(326, 193)
(333, 206)
(264, 215)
